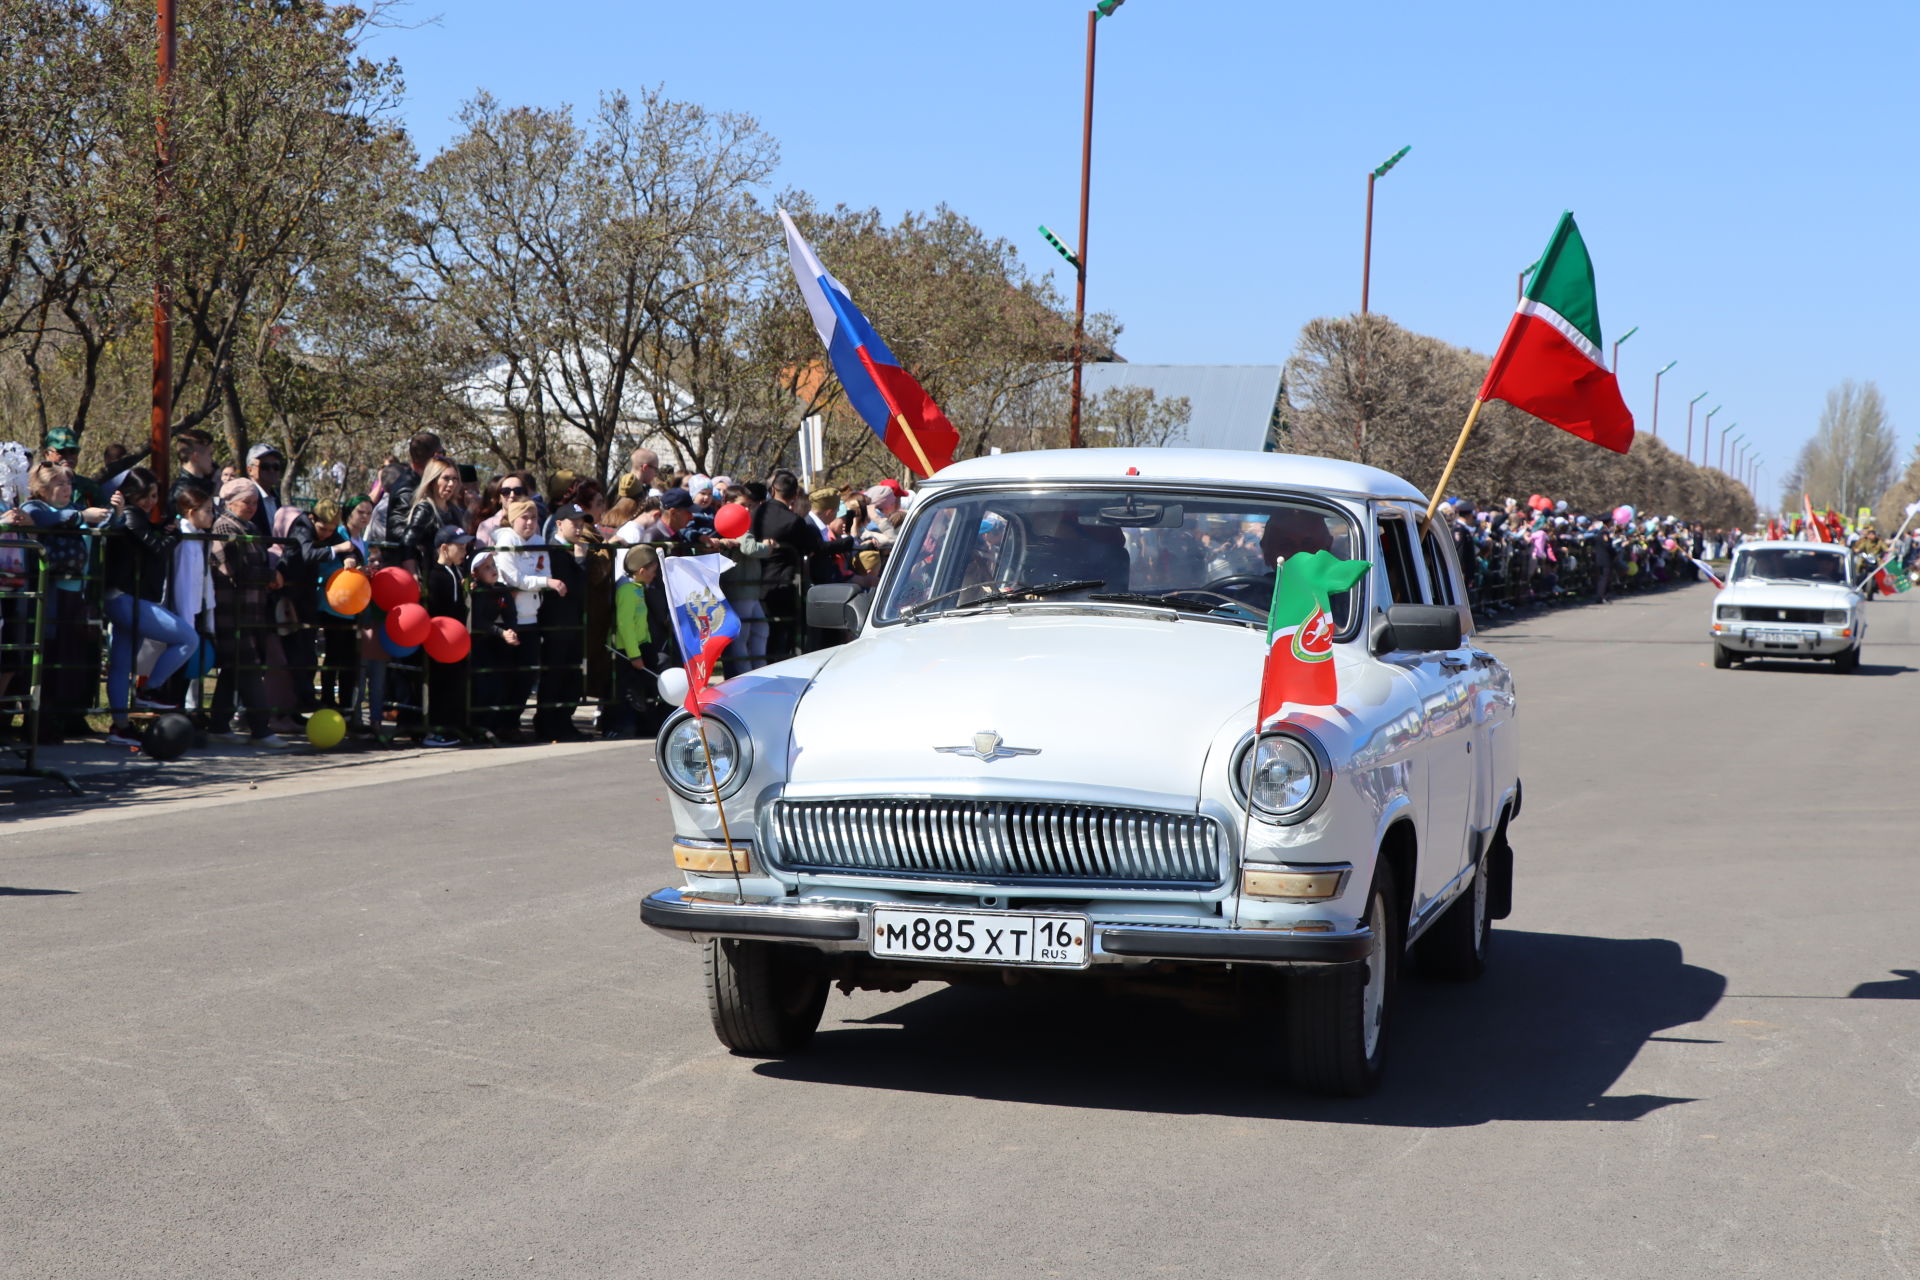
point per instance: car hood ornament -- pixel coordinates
(986, 746)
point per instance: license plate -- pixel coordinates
(991, 937)
(1778, 639)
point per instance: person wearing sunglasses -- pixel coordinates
(515, 486)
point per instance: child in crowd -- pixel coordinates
(529, 572)
(491, 623)
(446, 598)
(563, 621)
(137, 563)
(642, 645)
(190, 586)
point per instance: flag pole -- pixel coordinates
(726, 835)
(926, 468)
(1433, 505)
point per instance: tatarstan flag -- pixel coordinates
(1300, 630)
(1550, 363)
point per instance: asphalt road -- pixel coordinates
(408, 1024)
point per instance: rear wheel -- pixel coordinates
(1456, 947)
(765, 998)
(1722, 657)
(1337, 1020)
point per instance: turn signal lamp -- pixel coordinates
(712, 859)
(1294, 884)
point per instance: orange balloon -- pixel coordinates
(349, 592)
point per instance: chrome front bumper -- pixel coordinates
(1785, 640)
(847, 927)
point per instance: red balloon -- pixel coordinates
(732, 520)
(393, 587)
(409, 625)
(447, 640)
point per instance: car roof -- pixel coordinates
(1790, 545)
(1229, 466)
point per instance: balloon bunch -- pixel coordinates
(1539, 503)
(1623, 516)
(408, 626)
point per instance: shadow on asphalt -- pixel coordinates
(1542, 1036)
(33, 893)
(1806, 667)
(1906, 987)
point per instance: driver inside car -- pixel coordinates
(1061, 549)
(1293, 531)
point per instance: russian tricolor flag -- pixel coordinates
(885, 396)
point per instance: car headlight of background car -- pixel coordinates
(1282, 776)
(683, 762)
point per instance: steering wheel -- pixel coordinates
(1221, 585)
(1191, 592)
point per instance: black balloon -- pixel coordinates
(168, 737)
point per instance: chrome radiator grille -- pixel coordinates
(997, 840)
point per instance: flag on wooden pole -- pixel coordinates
(1550, 363)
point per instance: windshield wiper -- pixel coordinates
(1162, 602)
(1004, 593)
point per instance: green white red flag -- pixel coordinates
(1550, 362)
(1300, 629)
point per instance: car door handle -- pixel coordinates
(1452, 663)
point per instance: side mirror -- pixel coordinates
(1420, 628)
(837, 606)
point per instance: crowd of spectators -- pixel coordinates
(558, 583)
(1518, 553)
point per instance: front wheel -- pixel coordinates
(1848, 661)
(765, 998)
(1337, 1021)
(1722, 657)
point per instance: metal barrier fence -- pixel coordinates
(1504, 573)
(303, 657)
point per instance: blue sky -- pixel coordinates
(1741, 173)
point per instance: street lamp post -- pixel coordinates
(1101, 9)
(1616, 348)
(1366, 259)
(1658, 374)
(1706, 435)
(1696, 400)
(1729, 447)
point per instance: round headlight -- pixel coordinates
(683, 762)
(1280, 777)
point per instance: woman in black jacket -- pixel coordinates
(432, 510)
(139, 555)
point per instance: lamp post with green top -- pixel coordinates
(1366, 259)
(1078, 257)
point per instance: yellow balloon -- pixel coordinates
(325, 728)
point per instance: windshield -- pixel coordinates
(1790, 564)
(1200, 554)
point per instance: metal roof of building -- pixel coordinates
(1232, 403)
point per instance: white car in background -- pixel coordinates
(1036, 761)
(1789, 600)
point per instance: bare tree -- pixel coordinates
(1414, 396)
(1849, 462)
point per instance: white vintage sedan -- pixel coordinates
(1789, 600)
(1036, 757)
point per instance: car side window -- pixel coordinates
(1396, 551)
(1437, 569)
